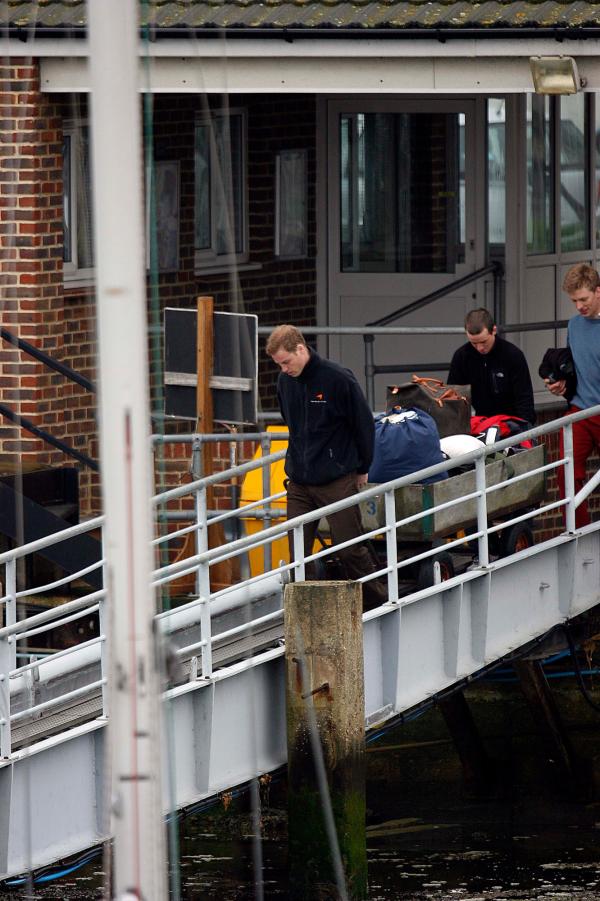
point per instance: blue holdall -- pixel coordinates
(406, 440)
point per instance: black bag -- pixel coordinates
(557, 364)
(449, 405)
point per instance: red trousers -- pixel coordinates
(586, 439)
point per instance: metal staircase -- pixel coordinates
(223, 688)
(46, 503)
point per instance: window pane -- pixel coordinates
(67, 195)
(85, 253)
(401, 193)
(540, 236)
(574, 194)
(292, 203)
(496, 133)
(202, 188)
(229, 185)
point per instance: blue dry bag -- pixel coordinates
(406, 440)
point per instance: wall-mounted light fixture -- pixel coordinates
(555, 75)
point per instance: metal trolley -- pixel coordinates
(518, 494)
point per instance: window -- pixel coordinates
(496, 167)
(220, 189)
(290, 204)
(540, 175)
(77, 208)
(402, 194)
(574, 173)
(558, 174)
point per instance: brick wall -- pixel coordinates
(276, 290)
(279, 290)
(31, 253)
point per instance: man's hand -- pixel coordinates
(557, 388)
(361, 480)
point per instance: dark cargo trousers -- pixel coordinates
(358, 560)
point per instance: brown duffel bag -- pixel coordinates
(449, 405)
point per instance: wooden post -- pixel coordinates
(326, 740)
(478, 772)
(227, 572)
(543, 707)
(204, 406)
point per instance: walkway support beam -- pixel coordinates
(326, 740)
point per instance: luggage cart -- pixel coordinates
(436, 528)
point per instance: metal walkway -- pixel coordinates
(223, 656)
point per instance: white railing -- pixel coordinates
(17, 678)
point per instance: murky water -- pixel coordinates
(530, 839)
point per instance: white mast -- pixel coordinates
(134, 730)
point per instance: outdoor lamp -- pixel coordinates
(555, 75)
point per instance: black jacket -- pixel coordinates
(499, 380)
(558, 364)
(331, 426)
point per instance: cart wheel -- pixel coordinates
(516, 538)
(426, 574)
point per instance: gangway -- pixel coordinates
(223, 650)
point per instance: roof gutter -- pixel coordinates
(559, 33)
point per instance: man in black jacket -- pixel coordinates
(330, 446)
(495, 369)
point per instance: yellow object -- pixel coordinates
(252, 491)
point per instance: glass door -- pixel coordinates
(401, 208)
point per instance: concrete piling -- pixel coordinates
(326, 740)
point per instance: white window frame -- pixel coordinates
(73, 275)
(209, 258)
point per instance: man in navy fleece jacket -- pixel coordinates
(330, 446)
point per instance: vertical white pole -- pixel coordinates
(134, 732)
(569, 477)
(480, 483)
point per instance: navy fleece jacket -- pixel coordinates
(331, 426)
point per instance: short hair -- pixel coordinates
(477, 320)
(284, 337)
(582, 275)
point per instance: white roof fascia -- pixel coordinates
(398, 45)
(232, 74)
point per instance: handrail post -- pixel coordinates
(196, 471)
(482, 541)
(265, 446)
(203, 582)
(391, 545)
(5, 668)
(104, 629)
(569, 466)
(203, 572)
(300, 570)
(497, 299)
(11, 608)
(234, 488)
(370, 369)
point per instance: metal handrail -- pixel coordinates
(205, 557)
(27, 424)
(371, 369)
(494, 268)
(48, 361)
